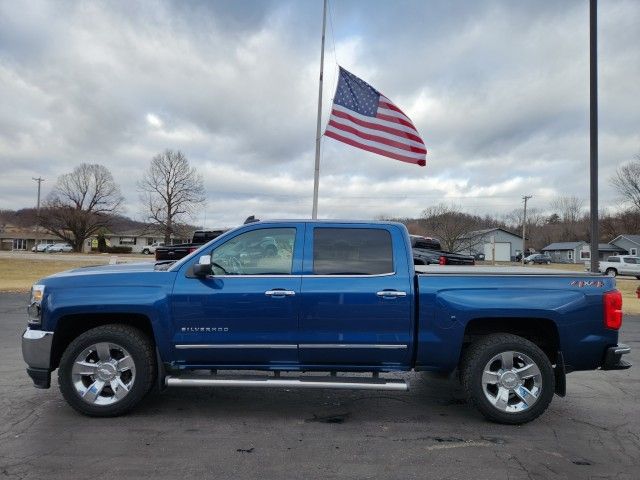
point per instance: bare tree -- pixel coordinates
(627, 182)
(570, 209)
(81, 203)
(171, 189)
(451, 226)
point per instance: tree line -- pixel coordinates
(567, 221)
(84, 201)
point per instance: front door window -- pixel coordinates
(266, 251)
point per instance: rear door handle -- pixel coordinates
(279, 293)
(391, 293)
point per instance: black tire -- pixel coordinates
(481, 352)
(612, 272)
(146, 251)
(139, 347)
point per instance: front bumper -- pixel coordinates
(36, 352)
(613, 358)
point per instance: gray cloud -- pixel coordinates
(498, 89)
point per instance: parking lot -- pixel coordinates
(247, 433)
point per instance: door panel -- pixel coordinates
(230, 320)
(246, 314)
(347, 319)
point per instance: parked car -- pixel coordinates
(336, 297)
(59, 247)
(621, 265)
(176, 252)
(428, 251)
(41, 247)
(151, 249)
(540, 258)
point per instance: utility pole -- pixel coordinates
(524, 227)
(316, 173)
(593, 131)
(39, 180)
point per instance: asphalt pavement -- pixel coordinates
(428, 432)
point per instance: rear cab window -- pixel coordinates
(352, 251)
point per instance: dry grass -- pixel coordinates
(18, 274)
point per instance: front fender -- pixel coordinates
(87, 301)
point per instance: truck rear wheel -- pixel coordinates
(107, 370)
(507, 378)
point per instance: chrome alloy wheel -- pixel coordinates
(103, 373)
(512, 382)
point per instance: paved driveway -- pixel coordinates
(428, 432)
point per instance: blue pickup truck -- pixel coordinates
(280, 297)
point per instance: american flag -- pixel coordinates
(364, 118)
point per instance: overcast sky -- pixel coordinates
(498, 90)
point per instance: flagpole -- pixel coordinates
(316, 176)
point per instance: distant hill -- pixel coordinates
(27, 218)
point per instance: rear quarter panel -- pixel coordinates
(448, 302)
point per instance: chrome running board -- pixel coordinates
(347, 383)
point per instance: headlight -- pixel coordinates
(35, 305)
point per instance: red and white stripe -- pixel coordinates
(390, 133)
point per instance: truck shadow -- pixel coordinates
(430, 395)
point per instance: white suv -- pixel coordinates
(151, 249)
(621, 265)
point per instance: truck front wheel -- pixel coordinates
(107, 370)
(507, 378)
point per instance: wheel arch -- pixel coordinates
(70, 327)
(541, 331)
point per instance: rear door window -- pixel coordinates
(352, 251)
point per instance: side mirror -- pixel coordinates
(203, 267)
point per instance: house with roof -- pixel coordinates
(565, 252)
(580, 251)
(24, 239)
(629, 243)
(605, 250)
(504, 243)
(138, 240)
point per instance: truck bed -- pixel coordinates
(491, 270)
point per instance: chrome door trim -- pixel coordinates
(191, 346)
(354, 345)
(254, 276)
(311, 275)
(305, 275)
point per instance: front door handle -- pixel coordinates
(391, 293)
(279, 293)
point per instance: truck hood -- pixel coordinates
(121, 276)
(107, 269)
